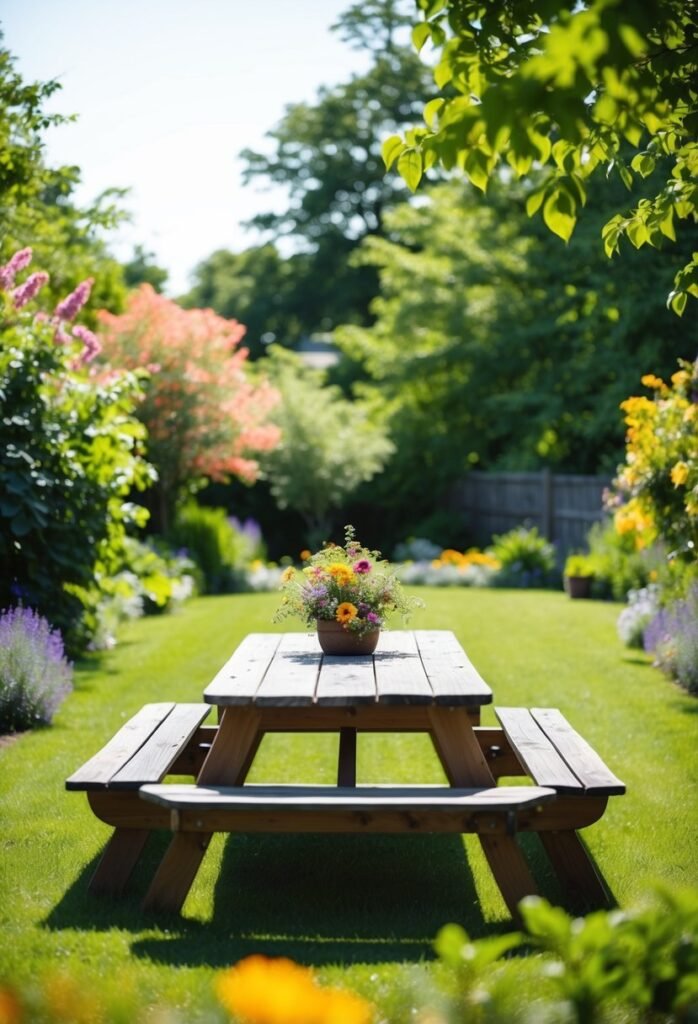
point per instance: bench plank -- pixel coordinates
(349, 798)
(453, 677)
(592, 772)
(537, 754)
(154, 759)
(98, 771)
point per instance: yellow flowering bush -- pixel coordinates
(349, 584)
(656, 489)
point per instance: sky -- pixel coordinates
(167, 93)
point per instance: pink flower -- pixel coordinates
(90, 341)
(373, 617)
(362, 566)
(18, 262)
(73, 303)
(26, 292)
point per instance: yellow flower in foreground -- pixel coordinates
(346, 612)
(288, 574)
(277, 991)
(10, 1010)
(341, 573)
(679, 474)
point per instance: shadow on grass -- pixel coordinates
(317, 899)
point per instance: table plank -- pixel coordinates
(241, 676)
(292, 676)
(400, 676)
(454, 679)
(345, 681)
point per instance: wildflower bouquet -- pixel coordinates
(350, 585)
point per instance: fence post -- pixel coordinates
(548, 520)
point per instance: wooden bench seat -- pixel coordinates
(270, 808)
(160, 740)
(541, 743)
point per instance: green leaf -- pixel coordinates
(666, 225)
(391, 149)
(443, 73)
(625, 175)
(410, 167)
(420, 34)
(632, 40)
(476, 167)
(449, 944)
(432, 111)
(677, 301)
(560, 213)
(534, 201)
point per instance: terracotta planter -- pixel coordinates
(578, 586)
(335, 639)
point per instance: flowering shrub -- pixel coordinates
(672, 635)
(642, 606)
(69, 455)
(35, 676)
(206, 418)
(526, 559)
(473, 568)
(349, 584)
(656, 491)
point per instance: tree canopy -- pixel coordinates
(606, 87)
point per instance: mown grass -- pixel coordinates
(363, 910)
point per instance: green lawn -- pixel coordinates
(363, 910)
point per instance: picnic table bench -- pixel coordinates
(415, 681)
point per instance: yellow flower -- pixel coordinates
(341, 574)
(259, 990)
(288, 574)
(451, 557)
(679, 378)
(346, 612)
(679, 474)
(651, 381)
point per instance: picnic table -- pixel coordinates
(416, 681)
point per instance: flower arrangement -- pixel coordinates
(348, 584)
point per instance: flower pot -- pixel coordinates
(335, 639)
(578, 586)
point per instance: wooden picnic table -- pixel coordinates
(416, 681)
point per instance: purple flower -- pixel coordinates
(362, 566)
(92, 346)
(73, 303)
(26, 292)
(34, 673)
(373, 617)
(18, 262)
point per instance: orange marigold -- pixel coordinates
(346, 612)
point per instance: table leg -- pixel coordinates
(346, 767)
(177, 871)
(458, 749)
(118, 860)
(233, 749)
(510, 870)
(574, 867)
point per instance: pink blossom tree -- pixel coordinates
(205, 412)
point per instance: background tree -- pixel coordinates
(206, 416)
(328, 445)
(610, 87)
(493, 349)
(327, 156)
(142, 269)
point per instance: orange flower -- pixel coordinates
(278, 991)
(10, 1010)
(306, 555)
(341, 573)
(346, 612)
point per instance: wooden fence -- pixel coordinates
(563, 507)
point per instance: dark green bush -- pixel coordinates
(208, 537)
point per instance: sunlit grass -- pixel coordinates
(360, 908)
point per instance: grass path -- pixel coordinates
(362, 909)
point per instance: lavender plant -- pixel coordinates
(672, 635)
(35, 676)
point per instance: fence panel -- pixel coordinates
(562, 506)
